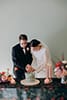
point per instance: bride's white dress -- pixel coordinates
(42, 63)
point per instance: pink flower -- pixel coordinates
(3, 73)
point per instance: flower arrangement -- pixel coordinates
(2, 73)
(3, 77)
(6, 77)
(61, 70)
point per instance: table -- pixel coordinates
(53, 91)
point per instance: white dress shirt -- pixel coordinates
(24, 50)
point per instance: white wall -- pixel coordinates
(42, 19)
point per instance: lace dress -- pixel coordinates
(42, 63)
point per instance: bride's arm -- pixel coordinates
(49, 64)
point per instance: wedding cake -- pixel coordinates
(30, 77)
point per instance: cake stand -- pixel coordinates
(35, 82)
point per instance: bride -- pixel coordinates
(41, 59)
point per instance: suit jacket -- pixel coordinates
(19, 58)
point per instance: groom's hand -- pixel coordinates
(29, 68)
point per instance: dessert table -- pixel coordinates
(52, 91)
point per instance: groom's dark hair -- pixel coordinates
(23, 37)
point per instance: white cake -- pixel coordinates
(30, 77)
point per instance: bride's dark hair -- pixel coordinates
(34, 43)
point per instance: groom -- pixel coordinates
(21, 57)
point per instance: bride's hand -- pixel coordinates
(47, 80)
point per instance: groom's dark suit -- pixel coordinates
(20, 60)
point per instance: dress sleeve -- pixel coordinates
(48, 63)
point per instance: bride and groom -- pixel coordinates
(31, 56)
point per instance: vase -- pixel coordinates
(64, 80)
